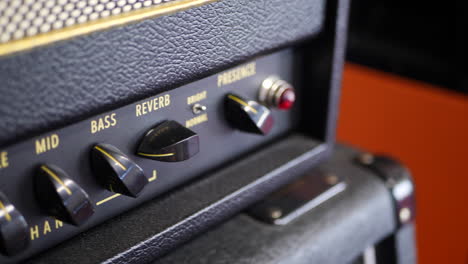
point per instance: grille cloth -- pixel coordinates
(25, 18)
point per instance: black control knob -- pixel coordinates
(248, 116)
(61, 196)
(116, 172)
(13, 228)
(169, 141)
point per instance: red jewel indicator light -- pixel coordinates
(277, 93)
(286, 99)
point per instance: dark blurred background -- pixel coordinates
(405, 94)
(418, 39)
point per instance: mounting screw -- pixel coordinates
(198, 109)
(331, 179)
(405, 214)
(366, 159)
(276, 213)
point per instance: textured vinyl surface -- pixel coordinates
(58, 84)
(335, 232)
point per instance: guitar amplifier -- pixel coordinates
(108, 107)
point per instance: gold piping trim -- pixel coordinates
(154, 177)
(156, 155)
(98, 25)
(111, 157)
(5, 211)
(56, 178)
(242, 102)
(108, 199)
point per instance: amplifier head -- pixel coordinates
(109, 104)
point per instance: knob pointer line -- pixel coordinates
(242, 102)
(156, 155)
(56, 178)
(5, 212)
(111, 157)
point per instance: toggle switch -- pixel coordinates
(170, 142)
(248, 116)
(13, 228)
(61, 196)
(116, 172)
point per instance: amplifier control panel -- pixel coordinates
(60, 183)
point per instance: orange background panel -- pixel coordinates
(426, 128)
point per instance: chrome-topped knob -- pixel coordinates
(247, 115)
(117, 172)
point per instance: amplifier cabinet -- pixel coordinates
(107, 105)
